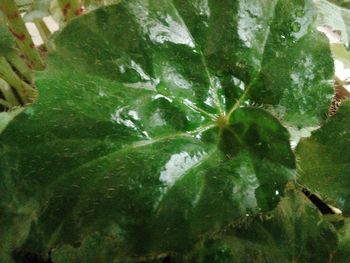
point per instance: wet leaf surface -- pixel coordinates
(156, 124)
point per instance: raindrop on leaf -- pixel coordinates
(299, 12)
(296, 27)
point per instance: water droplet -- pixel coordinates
(296, 27)
(299, 12)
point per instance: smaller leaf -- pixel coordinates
(324, 159)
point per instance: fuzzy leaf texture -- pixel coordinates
(160, 122)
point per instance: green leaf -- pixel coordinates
(247, 54)
(150, 127)
(294, 232)
(324, 159)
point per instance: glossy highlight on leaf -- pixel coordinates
(156, 125)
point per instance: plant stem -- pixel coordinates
(5, 103)
(26, 92)
(70, 8)
(18, 63)
(44, 31)
(20, 32)
(9, 97)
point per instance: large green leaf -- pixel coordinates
(149, 129)
(325, 159)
